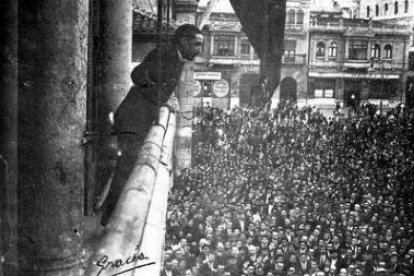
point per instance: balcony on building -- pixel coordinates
(357, 64)
(357, 52)
(294, 20)
(224, 50)
(333, 22)
(386, 65)
(299, 59)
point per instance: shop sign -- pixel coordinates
(221, 88)
(196, 88)
(207, 75)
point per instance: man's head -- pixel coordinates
(189, 41)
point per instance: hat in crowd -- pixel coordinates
(393, 253)
(204, 243)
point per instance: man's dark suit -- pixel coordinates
(153, 86)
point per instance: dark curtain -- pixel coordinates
(263, 22)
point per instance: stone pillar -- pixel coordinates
(111, 69)
(339, 89)
(8, 135)
(346, 54)
(52, 98)
(184, 118)
(364, 90)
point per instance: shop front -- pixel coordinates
(211, 89)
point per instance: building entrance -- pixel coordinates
(288, 88)
(352, 95)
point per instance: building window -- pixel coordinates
(375, 51)
(358, 50)
(290, 17)
(289, 56)
(388, 51)
(320, 50)
(245, 47)
(324, 93)
(376, 10)
(333, 50)
(368, 11)
(406, 6)
(224, 45)
(386, 8)
(396, 7)
(299, 17)
(290, 50)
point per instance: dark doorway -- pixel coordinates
(246, 82)
(410, 92)
(288, 90)
(352, 95)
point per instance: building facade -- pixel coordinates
(400, 12)
(355, 60)
(228, 55)
(332, 55)
(228, 64)
(293, 85)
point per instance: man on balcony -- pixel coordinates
(155, 81)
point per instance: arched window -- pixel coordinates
(406, 6)
(386, 8)
(290, 17)
(333, 50)
(388, 51)
(376, 10)
(396, 7)
(376, 51)
(320, 49)
(368, 11)
(299, 17)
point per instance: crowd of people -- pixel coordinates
(289, 191)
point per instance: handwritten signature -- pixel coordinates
(104, 263)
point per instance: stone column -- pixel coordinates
(346, 54)
(364, 90)
(339, 89)
(52, 98)
(111, 69)
(8, 134)
(182, 154)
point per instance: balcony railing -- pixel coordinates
(297, 59)
(344, 24)
(294, 26)
(357, 64)
(370, 65)
(386, 64)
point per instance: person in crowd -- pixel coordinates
(291, 192)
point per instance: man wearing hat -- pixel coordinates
(304, 265)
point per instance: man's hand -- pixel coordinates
(172, 104)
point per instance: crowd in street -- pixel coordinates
(288, 191)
